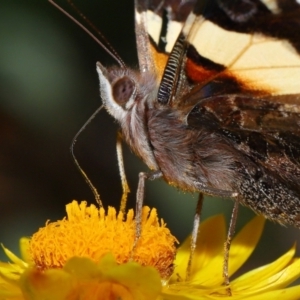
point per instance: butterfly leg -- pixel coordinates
(140, 194)
(125, 186)
(227, 245)
(214, 192)
(195, 233)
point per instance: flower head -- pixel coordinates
(67, 260)
(90, 232)
(90, 255)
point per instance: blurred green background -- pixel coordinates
(48, 89)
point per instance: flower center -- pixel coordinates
(90, 232)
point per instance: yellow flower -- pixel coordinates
(206, 280)
(89, 232)
(89, 255)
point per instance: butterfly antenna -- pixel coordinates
(98, 32)
(107, 47)
(88, 181)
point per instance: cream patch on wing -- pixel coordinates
(264, 62)
(272, 6)
(270, 62)
(154, 25)
(216, 43)
(173, 31)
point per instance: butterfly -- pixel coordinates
(215, 105)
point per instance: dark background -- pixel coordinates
(48, 89)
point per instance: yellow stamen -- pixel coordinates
(89, 232)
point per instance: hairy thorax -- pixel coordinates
(189, 159)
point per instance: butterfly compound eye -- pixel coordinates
(123, 89)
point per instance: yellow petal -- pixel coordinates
(48, 285)
(280, 279)
(15, 259)
(9, 290)
(262, 275)
(184, 291)
(24, 249)
(291, 293)
(242, 246)
(85, 268)
(210, 244)
(144, 282)
(210, 251)
(244, 243)
(10, 272)
(141, 282)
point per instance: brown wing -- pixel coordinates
(263, 135)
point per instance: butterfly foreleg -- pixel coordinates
(140, 194)
(125, 187)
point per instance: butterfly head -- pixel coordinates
(123, 88)
(117, 90)
(127, 95)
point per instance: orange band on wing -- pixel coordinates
(197, 73)
(160, 60)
